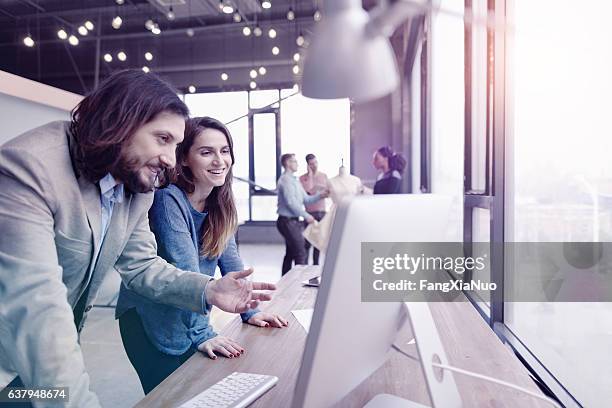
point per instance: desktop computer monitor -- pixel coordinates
(348, 339)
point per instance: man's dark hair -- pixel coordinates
(106, 119)
(285, 157)
(309, 157)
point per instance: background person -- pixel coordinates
(314, 181)
(290, 207)
(391, 166)
(194, 221)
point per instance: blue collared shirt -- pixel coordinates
(111, 192)
(292, 197)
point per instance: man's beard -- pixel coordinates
(129, 172)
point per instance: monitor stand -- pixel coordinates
(441, 385)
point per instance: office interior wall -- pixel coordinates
(26, 104)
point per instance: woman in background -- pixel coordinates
(194, 221)
(391, 165)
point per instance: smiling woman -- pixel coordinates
(194, 221)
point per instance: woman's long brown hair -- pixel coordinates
(222, 218)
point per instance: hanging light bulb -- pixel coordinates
(73, 40)
(82, 30)
(89, 25)
(296, 56)
(146, 69)
(28, 41)
(192, 89)
(121, 56)
(317, 15)
(299, 40)
(257, 31)
(296, 69)
(266, 4)
(190, 32)
(116, 23)
(108, 57)
(237, 17)
(290, 14)
(253, 74)
(148, 56)
(262, 70)
(227, 9)
(246, 31)
(156, 30)
(296, 88)
(253, 84)
(272, 33)
(120, 2)
(275, 50)
(170, 14)
(62, 34)
(224, 76)
(149, 24)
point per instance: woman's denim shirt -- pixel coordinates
(177, 225)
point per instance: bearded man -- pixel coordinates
(74, 198)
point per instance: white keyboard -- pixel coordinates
(237, 390)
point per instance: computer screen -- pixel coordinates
(349, 339)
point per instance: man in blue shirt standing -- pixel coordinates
(291, 201)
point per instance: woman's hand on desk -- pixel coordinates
(222, 345)
(264, 319)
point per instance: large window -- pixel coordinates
(447, 108)
(305, 126)
(559, 184)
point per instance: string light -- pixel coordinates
(296, 56)
(296, 69)
(275, 50)
(272, 33)
(266, 4)
(290, 14)
(253, 74)
(121, 56)
(146, 69)
(62, 34)
(82, 30)
(253, 84)
(89, 25)
(257, 31)
(192, 89)
(262, 70)
(116, 23)
(73, 40)
(108, 57)
(246, 31)
(224, 76)
(28, 41)
(148, 56)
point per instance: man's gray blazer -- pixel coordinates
(49, 227)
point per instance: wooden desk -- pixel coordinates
(469, 343)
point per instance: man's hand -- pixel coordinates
(235, 294)
(310, 219)
(263, 319)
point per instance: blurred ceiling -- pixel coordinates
(197, 43)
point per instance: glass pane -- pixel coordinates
(321, 127)
(562, 181)
(264, 208)
(481, 237)
(415, 104)
(264, 140)
(448, 105)
(479, 96)
(261, 99)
